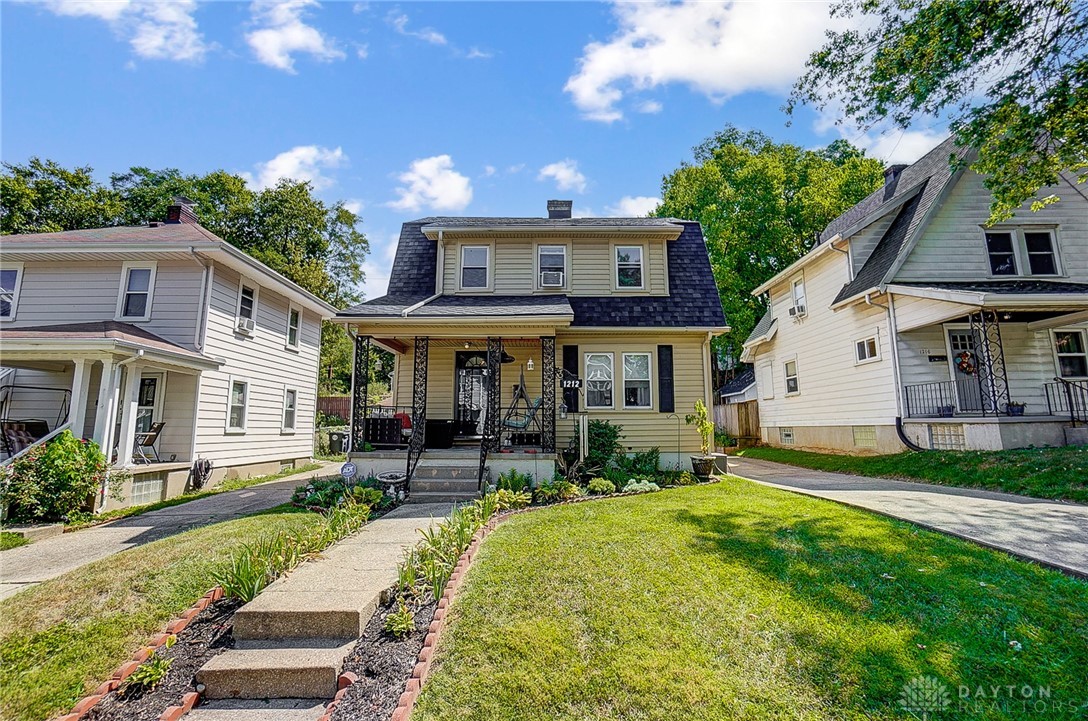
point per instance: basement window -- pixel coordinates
(865, 436)
(785, 436)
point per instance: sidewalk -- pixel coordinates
(1050, 532)
(52, 557)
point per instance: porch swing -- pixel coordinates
(517, 419)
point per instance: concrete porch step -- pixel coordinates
(261, 670)
(447, 485)
(441, 497)
(448, 470)
(287, 709)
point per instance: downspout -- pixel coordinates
(893, 341)
(202, 313)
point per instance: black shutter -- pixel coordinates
(664, 379)
(570, 365)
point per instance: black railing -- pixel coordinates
(1066, 397)
(386, 427)
(945, 399)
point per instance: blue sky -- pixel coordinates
(411, 109)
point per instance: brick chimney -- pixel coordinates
(559, 209)
(180, 210)
(891, 179)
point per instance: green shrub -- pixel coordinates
(559, 489)
(644, 463)
(510, 500)
(400, 623)
(332, 492)
(514, 481)
(52, 480)
(637, 486)
(675, 477)
(604, 444)
(601, 487)
(701, 420)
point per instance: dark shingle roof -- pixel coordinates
(739, 384)
(1007, 287)
(179, 233)
(762, 327)
(693, 299)
(461, 222)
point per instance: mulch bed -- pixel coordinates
(383, 665)
(207, 635)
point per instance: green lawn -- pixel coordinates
(88, 520)
(738, 601)
(11, 540)
(64, 637)
(1059, 473)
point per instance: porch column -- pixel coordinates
(360, 390)
(547, 393)
(103, 415)
(419, 403)
(77, 408)
(494, 393)
(992, 378)
(130, 404)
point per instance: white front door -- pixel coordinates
(149, 410)
(963, 365)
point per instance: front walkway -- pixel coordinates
(51, 557)
(1052, 533)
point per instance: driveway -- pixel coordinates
(51, 557)
(1050, 532)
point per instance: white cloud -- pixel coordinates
(475, 53)
(489, 170)
(515, 168)
(281, 32)
(303, 162)
(566, 175)
(399, 21)
(649, 106)
(354, 205)
(633, 206)
(156, 29)
(432, 182)
(363, 51)
(900, 146)
(718, 49)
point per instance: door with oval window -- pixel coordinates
(470, 392)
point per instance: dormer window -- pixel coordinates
(629, 266)
(474, 266)
(1022, 252)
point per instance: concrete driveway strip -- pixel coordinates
(1051, 533)
(40, 561)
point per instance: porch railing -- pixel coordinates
(1066, 397)
(947, 398)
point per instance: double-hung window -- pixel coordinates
(792, 384)
(10, 277)
(290, 408)
(552, 262)
(1072, 352)
(294, 325)
(599, 377)
(247, 301)
(628, 266)
(636, 380)
(800, 301)
(137, 288)
(1022, 252)
(474, 267)
(237, 405)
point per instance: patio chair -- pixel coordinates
(146, 441)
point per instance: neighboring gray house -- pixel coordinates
(912, 314)
(111, 331)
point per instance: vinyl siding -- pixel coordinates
(834, 389)
(953, 246)
(911, 312)
(263, 362)
(53, 293)
(589, 265)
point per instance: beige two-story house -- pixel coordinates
(913, 323)
(116, 332)
(510, 334)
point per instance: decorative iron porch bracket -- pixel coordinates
(360, 392)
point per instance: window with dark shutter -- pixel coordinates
(664, 379)
(570, 365)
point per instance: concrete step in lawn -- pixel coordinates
(289, 709)
(261, 670)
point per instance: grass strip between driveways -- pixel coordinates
(1057, 473)
(738, 601)
(235, 484)
(62, 638)
(11, 540)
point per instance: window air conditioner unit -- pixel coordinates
(551, 279)
(797, 311)
(245, 325)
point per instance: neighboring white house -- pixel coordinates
(912, 310)
(739, 389)
(111, 331)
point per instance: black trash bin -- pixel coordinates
(336, 442)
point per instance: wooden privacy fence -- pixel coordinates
(335, 406)
(740, 420)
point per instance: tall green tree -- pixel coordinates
(762, 206)
(1011, 77)
(317, 245)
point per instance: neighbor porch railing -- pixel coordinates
(1066, 397)
(947, 398)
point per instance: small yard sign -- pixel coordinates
(348, 470)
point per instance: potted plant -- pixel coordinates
(946, 411)
(702, 465)
(723, 440)
(1014, 408)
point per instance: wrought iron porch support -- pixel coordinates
(992, 377)
(360, 392)
(489, 440)
(419, 404)
(547, 392)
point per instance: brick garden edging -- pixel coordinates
(125, 670)
(422, 669)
